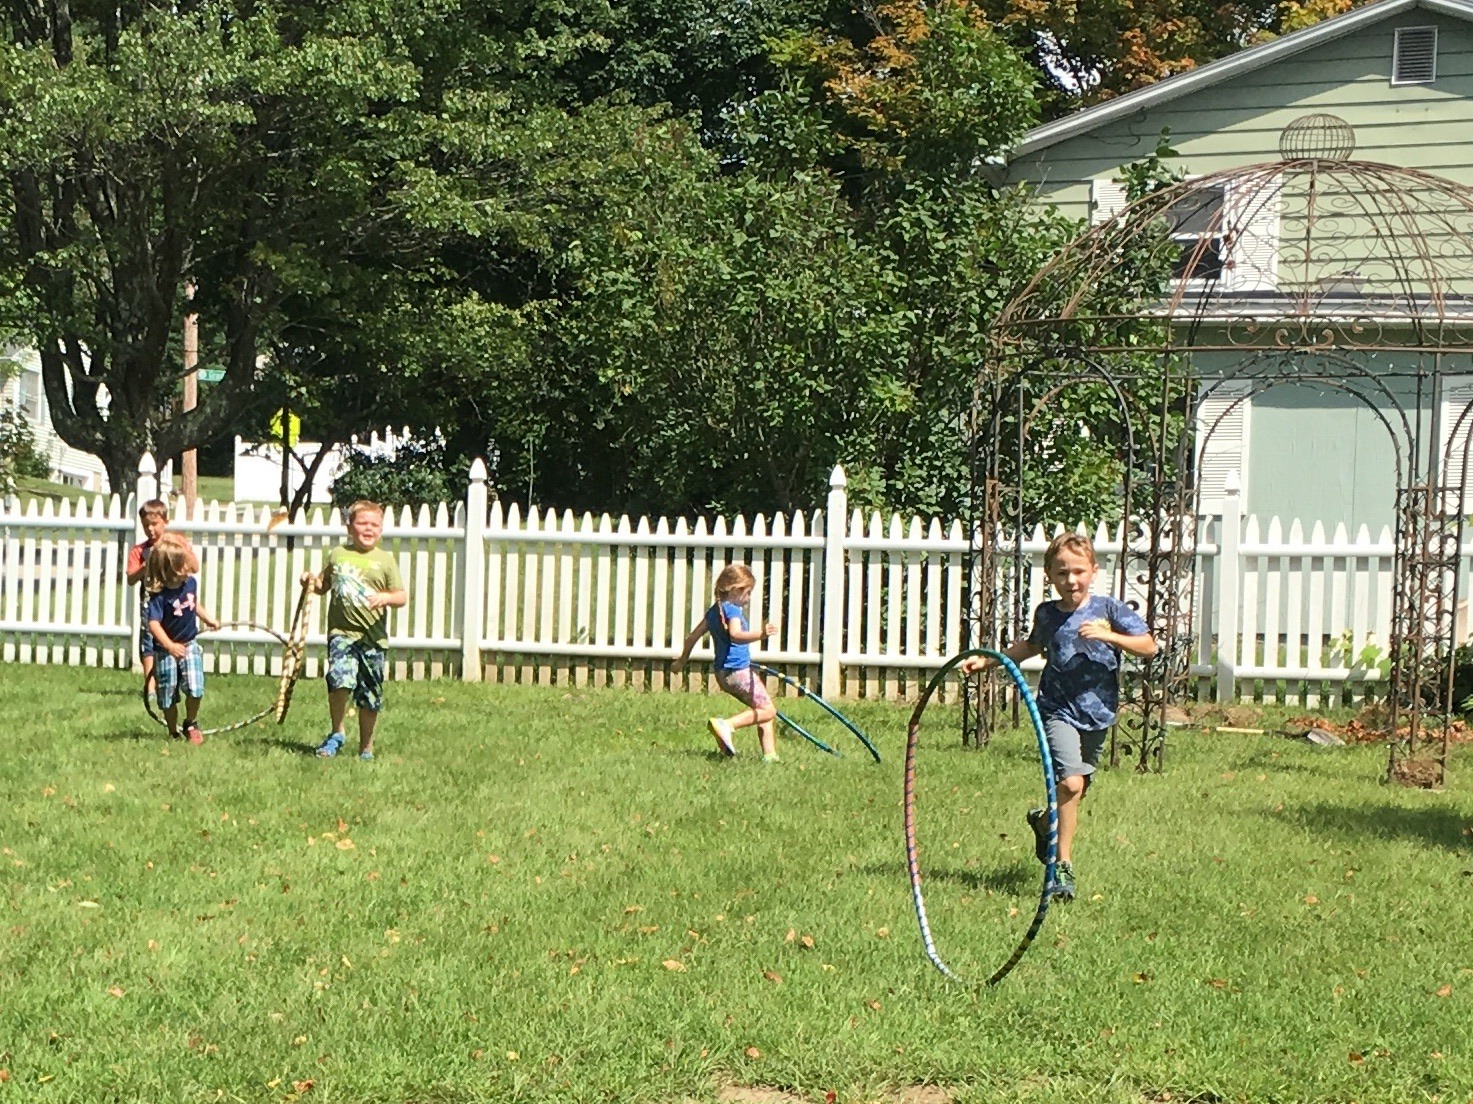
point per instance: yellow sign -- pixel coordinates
(293, 429)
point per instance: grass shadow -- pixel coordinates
(1019, 878)
(1437, 827)
(135, 735)
(278, 743)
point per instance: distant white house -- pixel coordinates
(258, 464)
(22, 391)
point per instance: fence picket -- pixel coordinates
(622, 568)
(1317, 565)
(1272, 578)
(512, 593)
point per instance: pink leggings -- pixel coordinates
(744, 685)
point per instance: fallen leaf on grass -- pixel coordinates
(4, 1076)
(753, 1053)
(88, 904)
(302, 1086)
(873, 1005)
(883, 933)
(1141, 978)
(1356, 1059)
(807, 942)
(792, 935)
(773, 976)
(116, 991)
(631, 909)
(674, 964)
(345, 844)
(1445, 991)
(1311, 899)
(1217, 983)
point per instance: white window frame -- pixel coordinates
(1250, 239)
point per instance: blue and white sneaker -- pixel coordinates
(330, 746)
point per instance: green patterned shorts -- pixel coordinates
(358, 666)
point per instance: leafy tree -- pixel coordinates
(412, 473)
(19, 458)
(263, 149)
(1085, 53)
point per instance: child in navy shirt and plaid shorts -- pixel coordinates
(173, 616)
(1082, 635)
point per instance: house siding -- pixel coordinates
(1311, 452)
(68, 465)
(1239, 121)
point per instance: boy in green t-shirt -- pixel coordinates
(363, 581)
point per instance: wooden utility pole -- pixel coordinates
(191, 393)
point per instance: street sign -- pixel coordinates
(211, 375)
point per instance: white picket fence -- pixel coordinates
(869, 607)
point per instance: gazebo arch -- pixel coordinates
(1314, 271)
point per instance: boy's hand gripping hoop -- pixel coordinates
(912, 856)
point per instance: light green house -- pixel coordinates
(1400, 72)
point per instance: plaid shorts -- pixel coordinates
(170, 674)
(358, 666)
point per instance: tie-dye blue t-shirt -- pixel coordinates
(1080, 684)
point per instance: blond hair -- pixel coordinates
(734, 577)
(1068, 542)
(169, 563)
(364, 504)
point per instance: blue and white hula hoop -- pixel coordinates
(912, 854)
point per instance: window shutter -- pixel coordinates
(1107, 199)
(1226, 450)
(1253, 222)
(1457, 398)
(1414, 59)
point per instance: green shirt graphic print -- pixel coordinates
(354, 577)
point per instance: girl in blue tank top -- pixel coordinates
(726, 623)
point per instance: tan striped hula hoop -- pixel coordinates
(293, 662)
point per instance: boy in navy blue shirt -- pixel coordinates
(174, 616)
(1081, 634)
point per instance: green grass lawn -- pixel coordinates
(220, 487)
(534, 895)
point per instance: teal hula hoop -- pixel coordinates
(912, 852)
(805, 692)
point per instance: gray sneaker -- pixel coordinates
(1038, 821)
(1063, 887)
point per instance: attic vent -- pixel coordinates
(1415, 60)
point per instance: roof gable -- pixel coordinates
(1234, 65)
